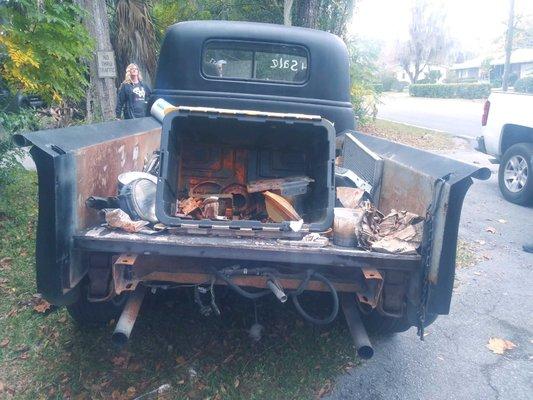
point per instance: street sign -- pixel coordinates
(106, 64)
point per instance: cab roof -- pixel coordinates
(180, 61)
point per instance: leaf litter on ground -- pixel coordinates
(499, 345)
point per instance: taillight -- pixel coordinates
(485, 116)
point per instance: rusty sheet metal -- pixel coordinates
(414, 179)
(98, 167)
(374, 283)
(129, 270)
(404, 189)
(235, 248)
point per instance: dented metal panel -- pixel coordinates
(70, 163)
(433, 186)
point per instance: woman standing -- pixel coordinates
(132, 95)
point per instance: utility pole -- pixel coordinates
(508, 47)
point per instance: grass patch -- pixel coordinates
(412, 136)
(48, 356)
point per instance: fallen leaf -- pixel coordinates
(491, 229)
(24, 356)
(4, 342)
(63, 319)
(42, 306)
(120, 361)
(2, 386)
(6, 262)
(228, 358)
(502, 221)
(180, 360)
(236, 383)
(324, 390)
(499, 346)
(12, 312)
(131, 391)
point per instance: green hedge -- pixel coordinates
(524, 85)
(451, 90)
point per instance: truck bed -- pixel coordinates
(102, 239)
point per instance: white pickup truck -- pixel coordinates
(508, 136)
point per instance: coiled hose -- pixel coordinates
(301, 288)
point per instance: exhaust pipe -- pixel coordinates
(357, 329)
(128, 317)
(277, 290)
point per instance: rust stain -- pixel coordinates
(99, 166)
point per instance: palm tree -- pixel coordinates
(134, 36)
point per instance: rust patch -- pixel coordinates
(99, 166)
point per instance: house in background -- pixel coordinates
(521, 65)
(402, 76)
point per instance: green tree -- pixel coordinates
(133, 35)
(43, 42)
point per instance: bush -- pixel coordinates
(451, 90)
(364, 100)
(11, 123)
(524, 85)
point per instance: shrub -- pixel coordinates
(388, 81)
(11, 123)
(451, 90)
(364, 100)
(524, 85)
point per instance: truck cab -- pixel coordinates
(249, 102)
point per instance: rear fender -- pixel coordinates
(420, 182)
(72, 164)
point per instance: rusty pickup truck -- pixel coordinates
(253, 102)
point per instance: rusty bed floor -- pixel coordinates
(101, 239)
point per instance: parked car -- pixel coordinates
(256, 102)
(508, 136)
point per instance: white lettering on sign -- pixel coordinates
(285, 63)
(106, 64)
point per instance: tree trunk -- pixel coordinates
(307, 12)
(508, 47)
(102, 92)
(287, 12)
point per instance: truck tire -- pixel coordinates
(515, 176)
(377, 324)
(85, 312)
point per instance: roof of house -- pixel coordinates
(518, 56)
(473, 63)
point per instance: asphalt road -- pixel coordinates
(455, 116)
(494, 298)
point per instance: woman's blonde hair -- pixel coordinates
(127, 77)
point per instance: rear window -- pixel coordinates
(255, 61)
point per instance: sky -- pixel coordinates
(475, 24)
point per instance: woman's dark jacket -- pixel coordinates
(132, 100)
